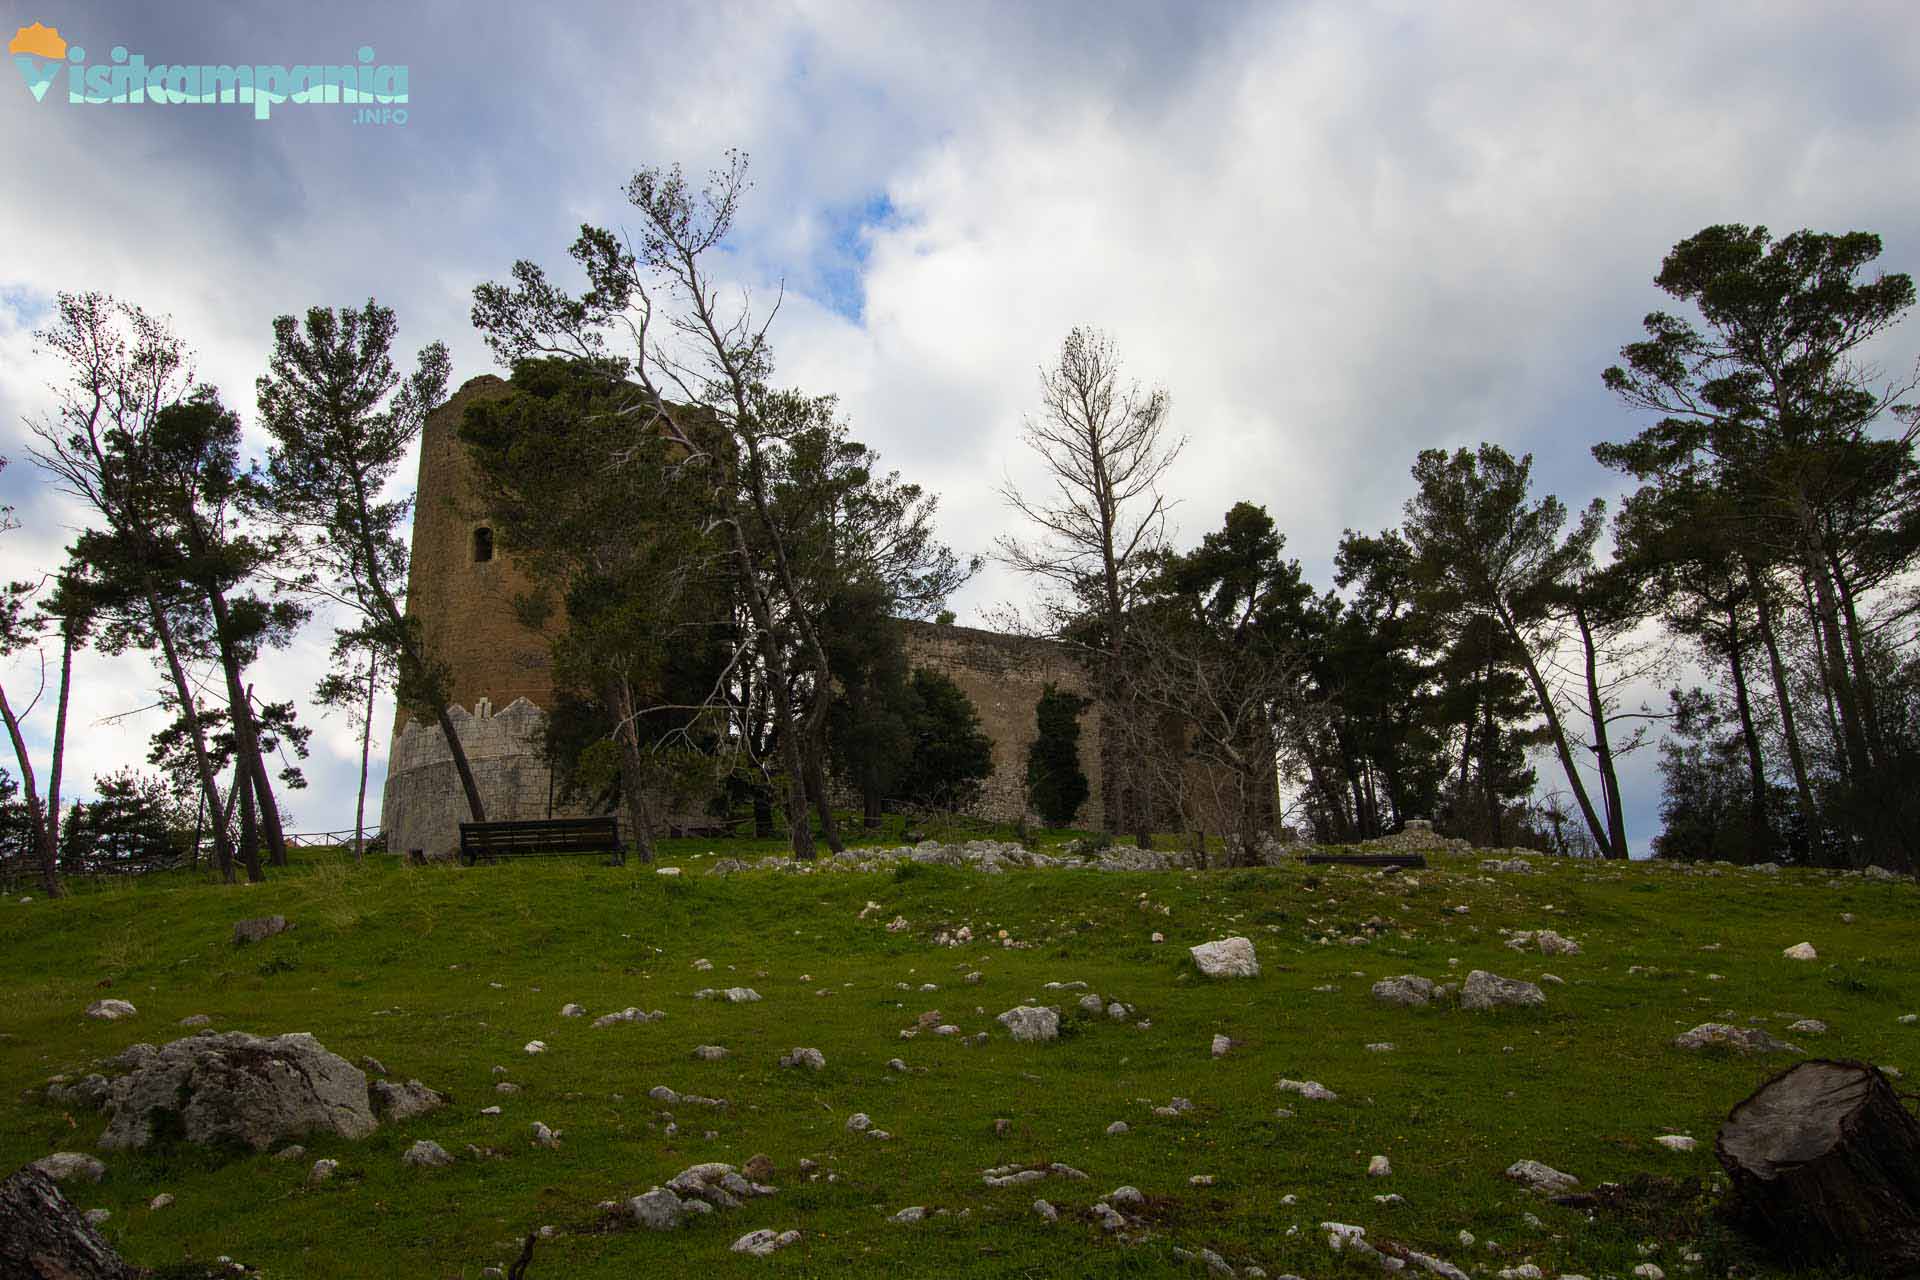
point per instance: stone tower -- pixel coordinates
(461, 583)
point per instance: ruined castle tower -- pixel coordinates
(460, 587)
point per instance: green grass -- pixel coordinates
(401, 964)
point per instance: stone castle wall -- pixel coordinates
(424, 804)
(1004, 676)
(465, 610)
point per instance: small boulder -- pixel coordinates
(259, 929)
(1542, 1178)
(1408, 991)
(110, 1010)
(811, 1059)
(657, 1210)
(1723, 1035)
(1485, 990)
(1226, 958)
(1029, 1023)
(1311, 1090)
(1801, 951)
(425, 1154)
(403, 1101)
(764, 1241)
(66, 1166)
(709, 1052)
(231, 1087)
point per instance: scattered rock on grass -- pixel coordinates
(1540, 1177)
(403, 1101)
(425, 1154)
(1485, 990)
(1226, 958)
(110, 1010)
(764, 1241)
(1311, 1090)
(812, 1059)
(240, 1088)
(1028, 1023)
(1724, 1035)
(67, 1166)
(1408, 991)
(258, 930)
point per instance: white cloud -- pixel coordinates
(1336, 233)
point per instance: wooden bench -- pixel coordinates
(1414, 860)
(541, 837)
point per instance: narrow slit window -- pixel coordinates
(482, 545)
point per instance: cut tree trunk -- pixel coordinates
(43, 1237)
(1825, 1162)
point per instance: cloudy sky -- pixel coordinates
(1336, 232)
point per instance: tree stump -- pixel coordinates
(1825, 1161)
(43, 1237)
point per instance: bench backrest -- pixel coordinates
(586, 834)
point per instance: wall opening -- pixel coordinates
(482, 545)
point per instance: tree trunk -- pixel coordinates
(246, 733)
(1558, 733)
(249, 828)
(633, 769)
(822, 800)
(56, 768)
(1602, 748)
(1827, 631)
(779, 693)
(1795, 759)
(203, 763)
(1761, 836)
(1825, 1163)
(42, 828)
(43, 1237)
(1869, 709)
(366, 748)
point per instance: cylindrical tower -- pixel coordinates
(461, 583)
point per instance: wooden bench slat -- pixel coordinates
(536, 837)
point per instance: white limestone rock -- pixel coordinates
(1031, 1023)
(1226, 958)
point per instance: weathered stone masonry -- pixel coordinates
(461, 586)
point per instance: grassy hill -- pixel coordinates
(445, 974)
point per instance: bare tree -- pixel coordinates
(1100, 522)
(1208, 723)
